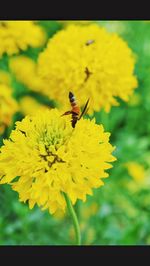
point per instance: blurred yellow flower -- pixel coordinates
(29, 105)
(90, 236)
(85, 229)
(136, 171)
(71, 233)
(83, 225)
(8, 107)
(5, 77)
(91, 63)
(88, 211)
(50, 157)
(19, 35)
(135, 100)
(25, 70)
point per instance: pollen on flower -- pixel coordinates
(50, 157)
(19, 35)
(103, 69)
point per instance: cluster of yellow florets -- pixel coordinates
(55, 158)
(90, 62)
(19, 35)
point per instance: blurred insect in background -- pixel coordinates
(89, 42)
(75, 112)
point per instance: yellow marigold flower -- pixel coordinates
(19, 35)
(29, 106)
(136, 170)
(90, 62)
(50, 157)
(25, 70)
(8, 107)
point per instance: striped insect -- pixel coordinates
(75, 112)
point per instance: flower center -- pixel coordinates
(51, 139)
(51, 158)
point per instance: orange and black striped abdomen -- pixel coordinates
(75, 109)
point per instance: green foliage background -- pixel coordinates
(121, 216)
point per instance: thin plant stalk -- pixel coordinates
(74, 219)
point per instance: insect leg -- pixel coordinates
(67, 113)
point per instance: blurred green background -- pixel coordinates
(119, 212)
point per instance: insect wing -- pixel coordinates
(84, 109)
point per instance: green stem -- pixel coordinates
(74, 218)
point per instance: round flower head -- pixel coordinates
(18, 35)
(91, 62)
(49, 157)
(8, 107)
